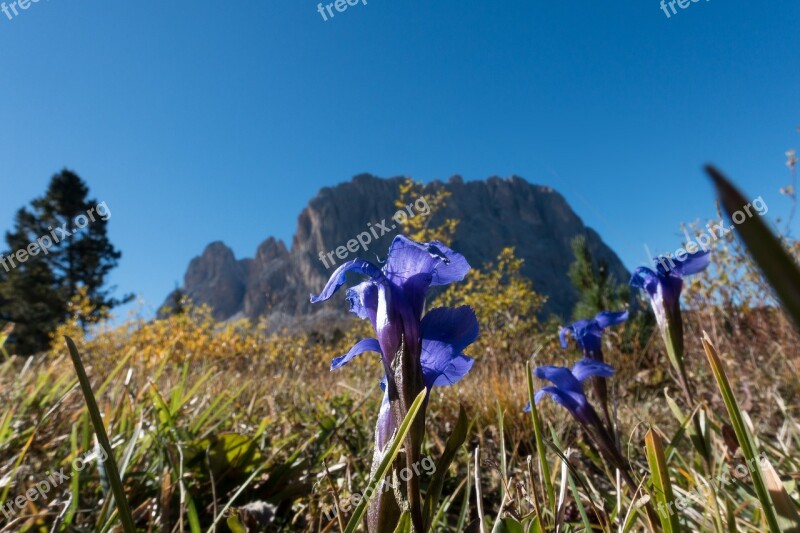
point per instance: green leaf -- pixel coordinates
(778, 266)
(234, 523)
(226, 452)
(742, 434)
(404, 524)
(540, 447)
(388, 458)
(507, 525)
(454, 443)
(102, 438)
(662, 486)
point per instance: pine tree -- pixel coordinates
(58, 245)
(597, 288)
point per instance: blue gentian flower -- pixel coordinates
(393, 297)
(567, 389)
(418, 352)
(588, 336)
(445, 333)
(588, 332)
(664, 285)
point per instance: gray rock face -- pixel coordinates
(493, 214)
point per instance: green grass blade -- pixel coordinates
(102, 438)
(579, 504)
(778, 266)
(404, 524)
(742, 434)
(544, 468)
(388, 458)
(662, 486)
(454, 443)
(502, 437)
(463, 515)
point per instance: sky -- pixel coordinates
(199, 121)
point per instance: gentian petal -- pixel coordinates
(611, 318)
(364, 345)
(586, 368)
(339, 276)
(694, 263)
(448, 374)
(587, 336)
(445, 334)
(644, 278)
(560, 397)
(454, 325)
(560, 377)
(408, 259)
(363, 300)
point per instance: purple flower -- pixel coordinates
(393, 297)
(664, 284)
(567, 389)
(417, 352)
(588, 336)
(588, 332)
(445, 333)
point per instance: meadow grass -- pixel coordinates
(260, 418)
(225, 427)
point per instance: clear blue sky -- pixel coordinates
(197, 121)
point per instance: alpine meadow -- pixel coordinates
(472, 268)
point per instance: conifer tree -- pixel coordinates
(597, 288)
(58, 245)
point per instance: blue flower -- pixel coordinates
(567, 389)
(418, 352)
(588, 333)
(445, 333)
(393, 297)
(664, 284)
(588, 336)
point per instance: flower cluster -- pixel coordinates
(422, 350)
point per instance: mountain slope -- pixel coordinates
(494, 213)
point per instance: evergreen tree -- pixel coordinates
(58, 245)
(597, 288)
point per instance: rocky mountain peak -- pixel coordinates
(493, 213)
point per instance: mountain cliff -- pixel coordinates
(494, 213)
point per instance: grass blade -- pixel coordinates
(544, 468)
(662, 485)
(454, 443)
(97, 421)
(742, 434)
(388, 458)
(778, 266)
